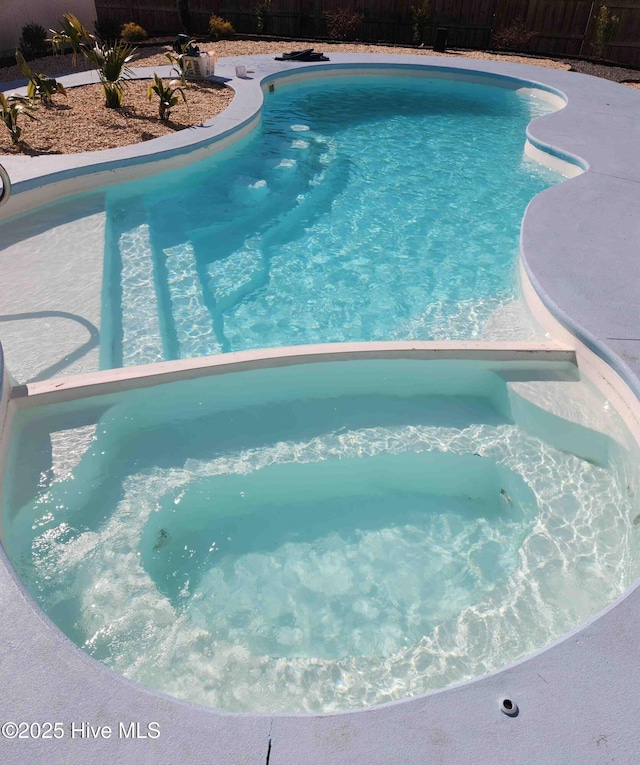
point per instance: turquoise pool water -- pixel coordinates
(381, 208)
(324, 537)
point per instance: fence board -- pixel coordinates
(625, 47)
(561, 27)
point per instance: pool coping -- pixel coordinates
(560, 690)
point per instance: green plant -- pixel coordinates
(220, 29)
(261, 10)
(107, 30)
(179, 60)
(113, 70)
(185, 15)
(40, 86)
(179, 64)
(110, 60)
(514, 37)
(11, 109)
(72, 34)
(167, 95)
(133, 32)
(33, 41)
(343, 24)
(420, 22)
(605, 29)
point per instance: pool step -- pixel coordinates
(193, 321)
(548, 353)
(186, 318)
(259, 195)
(134, 335)
(238, 253)
(186, 259)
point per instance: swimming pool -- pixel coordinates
(362, 208)
(565, 232)
(325, 537)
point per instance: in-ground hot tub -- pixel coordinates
(328, 536)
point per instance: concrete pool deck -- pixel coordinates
(577, 698)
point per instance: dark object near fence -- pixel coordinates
(343, 24)
(516, 36)
(184, 44)
(107, 29)
(302, 55)
(441, 40)
(184, 12)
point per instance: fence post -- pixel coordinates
(588, 30)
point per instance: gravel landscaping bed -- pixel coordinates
(155, 55)
(615, 73)
(82, 123)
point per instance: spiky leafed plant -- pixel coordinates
(113, 70)
(179, 60)
(40, 86)
(11, 109)
(167, 95)
(110, 60)
(73, 34)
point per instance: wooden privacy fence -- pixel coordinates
(558, 27)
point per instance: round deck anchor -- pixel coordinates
(508, 707)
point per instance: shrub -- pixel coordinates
(606, 25)
(343, 24)
(33, 41)
(107, 30)
(261, 10)
(420, 18)
(11, 109)
(133, 32)
(40, 86)
(220, 29)
(166, 94)
(514, 37)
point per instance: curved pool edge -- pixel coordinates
(47, 676)
(42, 179)
(575, 696)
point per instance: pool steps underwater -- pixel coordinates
(207, 272)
